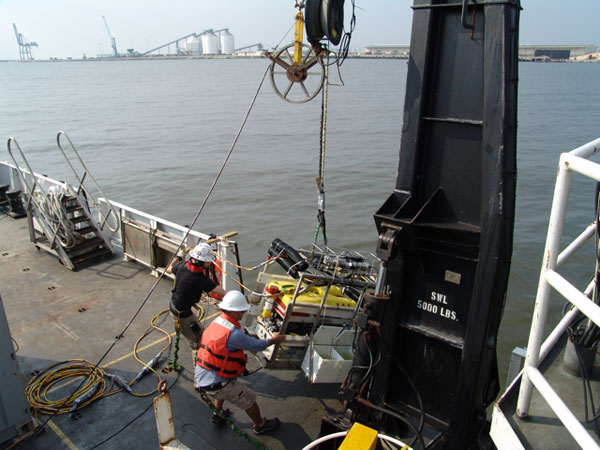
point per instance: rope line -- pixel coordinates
(320, 180)
(153, 287)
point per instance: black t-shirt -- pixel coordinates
(189, 286)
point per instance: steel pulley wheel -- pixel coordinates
(297, 83)
(324, 18)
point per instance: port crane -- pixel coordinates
(113, 42)
(24, 47)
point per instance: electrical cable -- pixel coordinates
(586, 336)
(389, 412)
(148, 367)
(346, 38)
(412, 385)
(591, 333)
(250, 291)
(340, 434)
(94, 386)
(587, 388)
(256, 267)
(25, 436)
(153, 287)
(131, 421)
(200, 210)
(41, 385)
(16, 344)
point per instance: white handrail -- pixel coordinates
(573, 162)
(563, 412)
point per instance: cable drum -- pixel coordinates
(324, 18)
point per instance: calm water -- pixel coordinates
(154, 134)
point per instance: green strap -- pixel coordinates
(173, 364)
(231, 424)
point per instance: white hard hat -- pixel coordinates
(234, 301)
(202, 252)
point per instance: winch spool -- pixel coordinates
(324, 18)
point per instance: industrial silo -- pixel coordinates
(193, 46)
(210, 44)
(227, 43)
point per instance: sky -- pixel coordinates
(72, 28)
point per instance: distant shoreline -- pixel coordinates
(163, 57)
(261, 56)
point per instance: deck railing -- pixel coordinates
(152, 241)
(576, 161)
(144, 238)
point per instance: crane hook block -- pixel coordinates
(324, 18)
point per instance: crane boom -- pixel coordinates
(24, 46)
(113, 42)
(19, 35)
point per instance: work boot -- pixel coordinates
(268, 425)
(219, 419)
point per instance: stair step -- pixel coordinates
(85, 257)
(87, 243)
(68, 198)
(86, 229)
(73, 208)
(80, 219)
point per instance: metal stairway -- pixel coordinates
(90, 243)
(64, 220)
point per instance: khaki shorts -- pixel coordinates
(237, 393)
(192, 337)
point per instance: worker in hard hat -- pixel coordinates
(191, 281)
(221, 360)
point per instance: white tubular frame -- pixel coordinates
(575, 161)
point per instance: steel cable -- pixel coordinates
(153, 287)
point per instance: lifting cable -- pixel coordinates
(204, 202)
(68, 400)
(320, 180)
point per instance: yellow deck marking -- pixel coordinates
(62, 435)
(152, 344)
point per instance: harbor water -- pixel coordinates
(155, 133)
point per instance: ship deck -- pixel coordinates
(56, 315)
(542, 429)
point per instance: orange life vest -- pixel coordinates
(213, 353)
